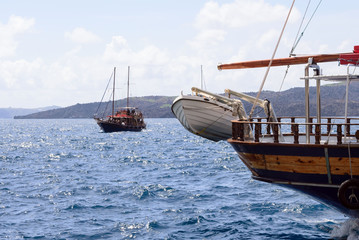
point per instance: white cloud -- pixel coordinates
(208, 38)
(119, 51)
(81, 35)
(267, 37)
(228, 27)
(240, 13)
(20, 74)
(15, 26)
(230, 32)
(345, 46)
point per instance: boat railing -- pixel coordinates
(294, 128)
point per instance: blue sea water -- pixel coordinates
(65, 179)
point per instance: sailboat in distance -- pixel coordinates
(123, 119)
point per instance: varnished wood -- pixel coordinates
(348, 126)
(281, 61)
(236, 127)
(296, 133)
(257, 132)
(307, 165)
(339, 134)
(309, 161)
(317, 134)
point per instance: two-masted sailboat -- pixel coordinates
(315, 155)
(123, 119)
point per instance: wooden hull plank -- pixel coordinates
(281, 61)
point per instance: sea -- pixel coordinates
(66, 179)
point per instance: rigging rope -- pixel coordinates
(205, 128)
(355, 66)
(296, 41)
(301, 35)
(300, 26)
(108, 83)
(270, 62)
(108, 103)
(350, 161)
(294, 45)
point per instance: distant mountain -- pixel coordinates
(11, 112)
(285, 103)
(291, 102)
(151, 107)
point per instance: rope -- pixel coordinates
(270, 62)
(108, 83)
(203, 82)
(294, 45)
(205, 128)
(350, 161)
(355, 67)
(301, 35)
(296, 40)
(108, 103)
(345, 108)
(300, 26)
(346, 100)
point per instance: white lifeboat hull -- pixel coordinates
(204, 116)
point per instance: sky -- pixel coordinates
(63, 52)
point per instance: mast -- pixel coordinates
(113, 92)
(201, 78)
(128, 86)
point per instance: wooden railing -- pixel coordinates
(334, 127)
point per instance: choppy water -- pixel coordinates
(65, 179)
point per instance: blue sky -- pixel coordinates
(62, 52)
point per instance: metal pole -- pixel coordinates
(319, 114)
(346, 102)
(113, 92)
(201, 78)
(128, 85)
(307, 113)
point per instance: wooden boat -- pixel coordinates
(209, 115)
(125, 118)
(206, 114)
(318, 156)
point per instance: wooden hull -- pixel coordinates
(317, 170)
(108, 127)
(204, 117)
(320, 157)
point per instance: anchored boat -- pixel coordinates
(125, 118)
(317, 155)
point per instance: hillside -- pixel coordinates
(151, 107)
(11, 112)
(289, 102)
